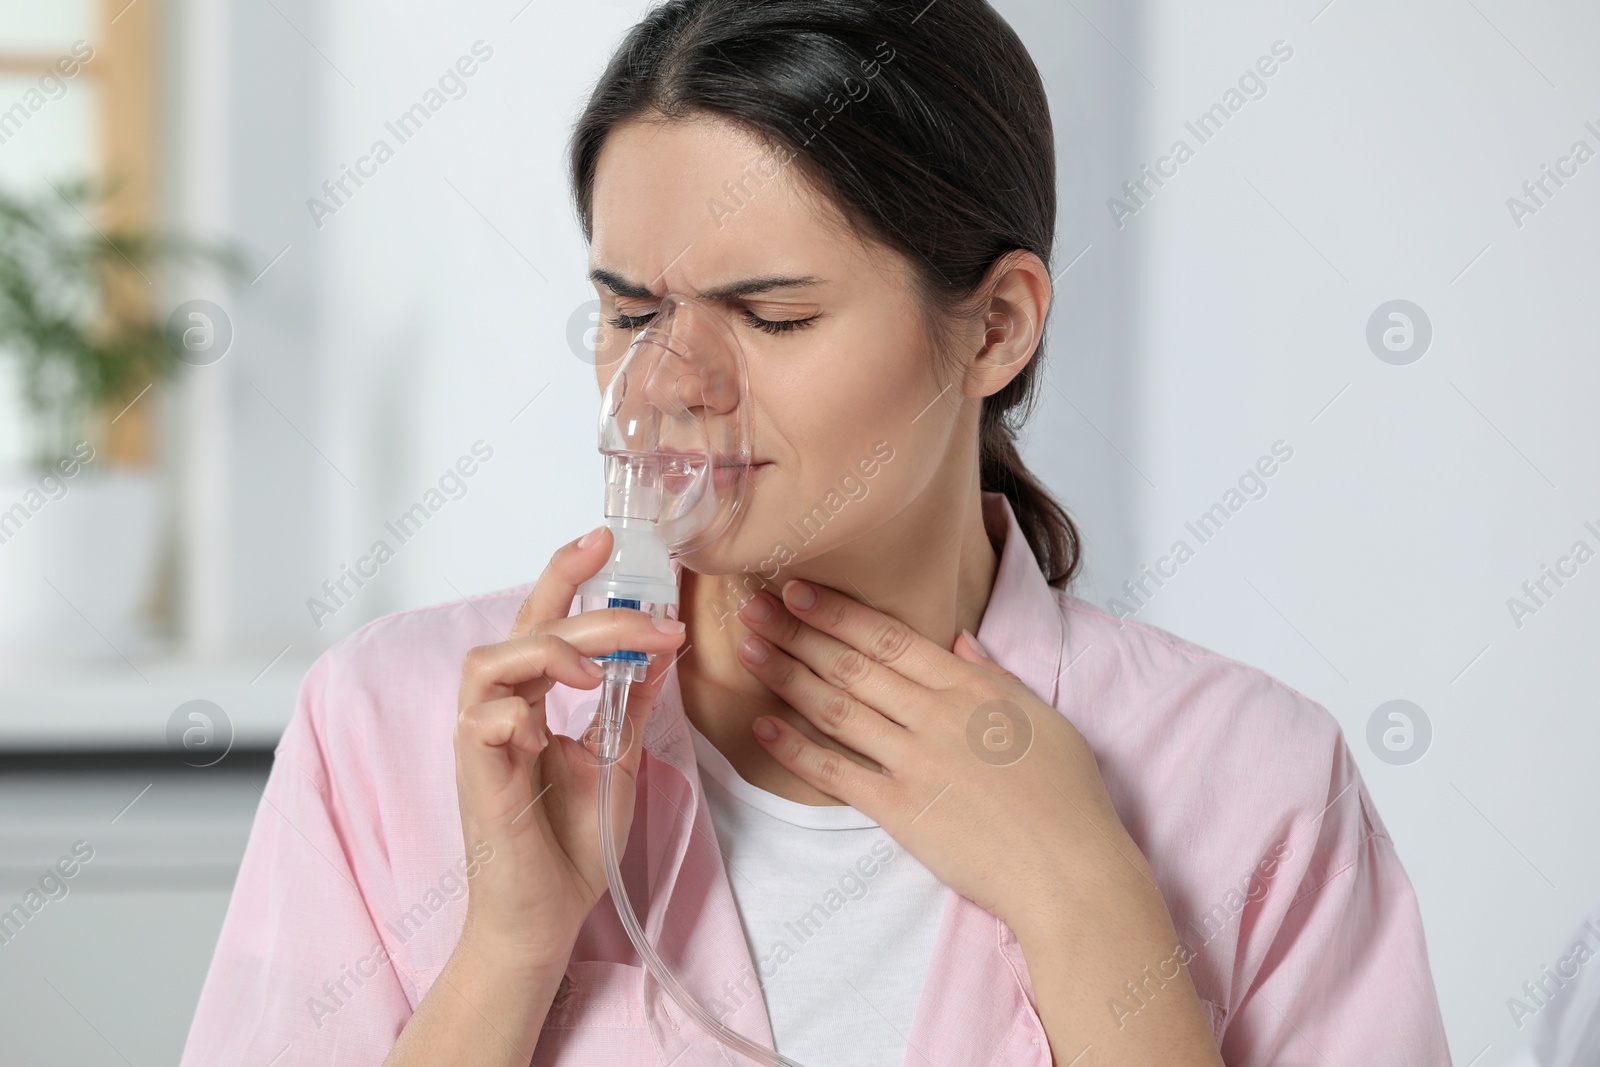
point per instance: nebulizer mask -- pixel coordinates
(675, 433)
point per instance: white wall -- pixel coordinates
(1222, 317)
(1378, 566)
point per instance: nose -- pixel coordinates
(698, 362)
(709, 392)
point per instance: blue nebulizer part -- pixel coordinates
(626, 655)
(675, 434)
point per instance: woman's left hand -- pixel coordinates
(989, 787)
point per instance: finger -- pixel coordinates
(872, 683)
(531, 664)
(573, 564)
(602, 626)
(968, 648)
(880, 637)
(827, 707)
(497, 742)
(832, 772)
(507, 722)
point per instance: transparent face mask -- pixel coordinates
(675, 426)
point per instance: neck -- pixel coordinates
(931, 566)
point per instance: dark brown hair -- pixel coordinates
(925, 124)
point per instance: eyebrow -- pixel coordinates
(731, 291)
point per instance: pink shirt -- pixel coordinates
(1307, 946)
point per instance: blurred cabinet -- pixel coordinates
(109, 968)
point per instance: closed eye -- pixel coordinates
(777, 325)
(629, 322)
(773, 326)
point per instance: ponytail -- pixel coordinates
(1049, 530)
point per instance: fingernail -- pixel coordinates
(754, 649)
(756, 609)
(765, 729)
(972, 638)
(594, 668)
(591, 537)
(668, 626)
(798, 594)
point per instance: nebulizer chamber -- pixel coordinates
(674, 413)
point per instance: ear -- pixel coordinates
(1012, 319)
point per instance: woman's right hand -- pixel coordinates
(530, 793)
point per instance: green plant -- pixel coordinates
(65, 306)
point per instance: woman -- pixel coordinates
(853, 828)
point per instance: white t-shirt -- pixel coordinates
(839, 919)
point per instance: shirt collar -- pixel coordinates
(1022, 629)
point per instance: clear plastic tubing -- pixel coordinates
(622, 670)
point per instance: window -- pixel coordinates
(77, 98)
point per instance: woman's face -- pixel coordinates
(850, 418)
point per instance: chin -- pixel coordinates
(744, 546)
(728, 556)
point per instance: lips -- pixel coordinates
(726, 476)
(679, 452)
